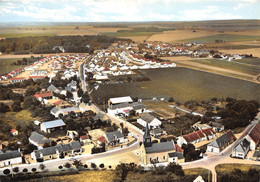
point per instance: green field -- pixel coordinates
(14, 35)
(5, 65)
(252, 61)
(183, 84)
(224, 37)
(244, 68)
(128, 34)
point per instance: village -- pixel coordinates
(80, 128)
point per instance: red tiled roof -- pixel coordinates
(84, 137)
(58, 102)
(208, 131)
(191, 137)
(17, 78)
(178, 148)
(201, 135)
(46, 94)
(255, 133)
(231, 135)
(102, 139)
(13, 130)
(32, 77)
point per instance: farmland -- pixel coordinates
(244, 68)
(183, 84)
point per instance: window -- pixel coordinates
(163, 157)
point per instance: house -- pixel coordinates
(241, 149)
(199, 126)
(217, 127)
(115, 136)
(151, 120)
(17, 79)
(35, 78)
(42, 96)
(221, 142)
(151, 153)
(196, 136)
(57, 152)
(38, 140)
(56, 111)
(10, 158)
(125, 108)
(119, 100)
(176, 157)
(199, 179)
(256, 155)
(253, 135)
(101, 140)
(54, 125)
(72, 134)
(54, 89)
(84, 139)
(14, 132)
(156, 132)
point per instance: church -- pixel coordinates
(151, 153)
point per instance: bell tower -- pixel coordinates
(147, 137)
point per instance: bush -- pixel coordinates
(60, 167)
(6, 171)
(171, 99)
(109, 167)
(93, 165)
(34, 169)
(86, 166)
(101, 165)
(16, 169)
(25, 170)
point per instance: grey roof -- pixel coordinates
(156, 131)
(137, 106)
(54, 110)
(9, 155)
(122, 105)
(72, 83)
(160, 147)
(61, 148)
(38, 138)
(147, 117)
(52, 88)
(220, 141)
(256, 153)
(69, 89)
(112, 135)
(216, 124)
(242, 146)
(54, 123)
(176, 154)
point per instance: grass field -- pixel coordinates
(12, 35)
(128, 34)
(244, 68)
(14, 118)
(5, 65)
(183, 84)
(222, 168)
(224, 37)
(252, 61)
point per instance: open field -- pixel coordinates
(252, 61)
(183, 84)
(5, 65)
(222, 168)
(223, 37)
(244, 68)
(12, 35)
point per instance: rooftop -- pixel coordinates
(53, 124)
(118, 100)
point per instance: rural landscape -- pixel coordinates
(158, 91)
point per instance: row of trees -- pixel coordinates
(45, 44)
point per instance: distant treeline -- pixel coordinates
(45, 44)
(26, 61)
(147, 29)
(110, 26)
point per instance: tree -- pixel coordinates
(125, 131)
(85, 98)
(121, 171)
(101, 165)
(67, 165)
(175, 168)
(42, 167)
(16, 169)
(6, 171)
(4, 108)
(69, 95)
(93, 165)
(34, 169)
(171, 99)
(25, 170)
(17, 106)
(77, 163)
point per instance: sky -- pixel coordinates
(126, 10)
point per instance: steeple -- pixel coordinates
(147, 137)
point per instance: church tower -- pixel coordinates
(147, 137)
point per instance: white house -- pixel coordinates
(241, 149)
(115, 136)
(151, 120)
(10, 158)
